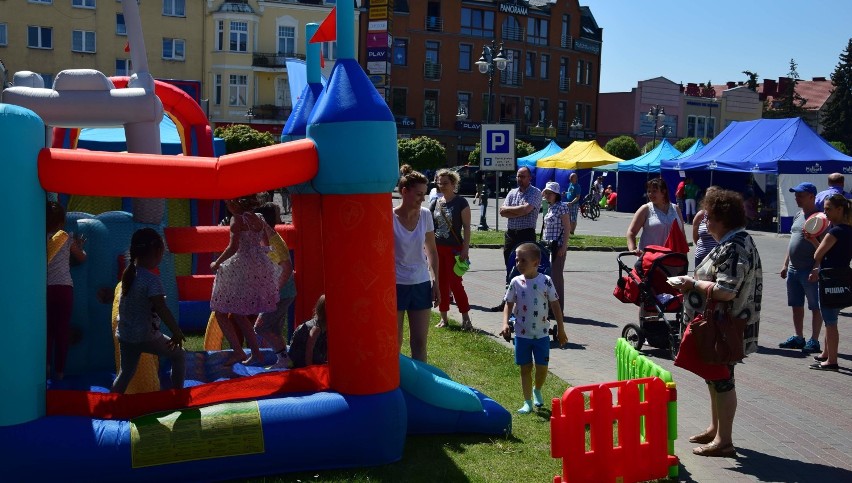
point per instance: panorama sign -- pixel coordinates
(514, 8)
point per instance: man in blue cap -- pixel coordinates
(798, 263)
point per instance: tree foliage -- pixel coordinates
(624, 147)
(522, 148)
(840, 146)
(422, 153)
(240, 137)
(789, 102)
(837, 115)
(751, 83)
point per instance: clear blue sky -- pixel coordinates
(694, 41)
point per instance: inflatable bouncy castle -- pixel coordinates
(354, 411)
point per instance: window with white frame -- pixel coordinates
(217, 89)
(588, 73)
(4, 34)
(239, 37)
(83, 3)
(237, 90)
(581, 71)
(123, 67)
(46, 2)
(120, 26)
(220, 35)
(287, 40)
(700, 126)
(174, 8)
(174, 49)
(39, 37)
(83, 41)
(544, 66)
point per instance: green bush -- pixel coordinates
(239, 137)
(422, 153)
(685, 144)
(623, 147)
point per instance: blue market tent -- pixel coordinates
(530, 160)
(749, 150)
(650, 161)
(696, 146)
(633, 173)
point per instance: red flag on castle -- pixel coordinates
(327, 32)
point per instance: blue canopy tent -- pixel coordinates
(530, 160)
(112, 139)
(786, 148)
(633, 173)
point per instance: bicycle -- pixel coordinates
(589, 209)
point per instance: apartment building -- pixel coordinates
(423, 59)
(247, 45)
(48, 36)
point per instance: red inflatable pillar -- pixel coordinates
(308, 255)
(360, 290)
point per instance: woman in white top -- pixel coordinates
(654, 219)
(415, 254)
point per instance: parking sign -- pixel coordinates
(497, 144)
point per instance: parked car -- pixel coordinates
(470, 176)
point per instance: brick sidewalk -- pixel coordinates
(792, 424)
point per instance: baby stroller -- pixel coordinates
(543, 267)
(645, 285)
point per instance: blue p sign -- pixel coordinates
(498, 141)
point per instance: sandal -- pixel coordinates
(703, 438)
(818, 366)
(442, 324)
(820, 358)
(714, 450)
(467, 325)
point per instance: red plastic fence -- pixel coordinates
(630, 458)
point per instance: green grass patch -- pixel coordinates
(494, 237)
(478, 361)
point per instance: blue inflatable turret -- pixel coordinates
(352, 126)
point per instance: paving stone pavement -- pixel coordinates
(792, 423)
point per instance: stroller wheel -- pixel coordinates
(634, 335)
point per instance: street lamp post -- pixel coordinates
(656, 114)
(710, 118)
(488, 62)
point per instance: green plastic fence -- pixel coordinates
(633, 365)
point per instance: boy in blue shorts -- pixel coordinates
(529, 297)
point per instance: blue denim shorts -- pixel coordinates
(799, 289)
(528, 349)
(414, 297)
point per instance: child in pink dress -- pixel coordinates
(245, 283)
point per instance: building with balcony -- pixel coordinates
(48, 36)
(247, 44)
(423, 60)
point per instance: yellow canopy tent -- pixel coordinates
(578, 155)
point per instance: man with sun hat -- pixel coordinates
(798, 263)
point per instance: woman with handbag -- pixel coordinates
(555, 234)
(451, 214)
(831, 268)
(730, 277)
